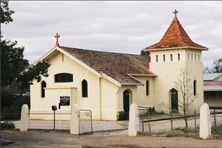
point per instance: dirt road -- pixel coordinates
(62, 138)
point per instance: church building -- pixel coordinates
(107, 83)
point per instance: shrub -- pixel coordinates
(7, 125)
(16, 107)
(122, 115)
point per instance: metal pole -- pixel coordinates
(142, 126)
(195, 124)
(171, 122)
(149, 119)
(54, 119)
(59, 110)
(214, 118)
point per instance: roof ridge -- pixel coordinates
(99, 51)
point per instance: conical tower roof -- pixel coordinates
(175, 36)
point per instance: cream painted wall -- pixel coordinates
(142, 98)
(66, 65)
(109, 100)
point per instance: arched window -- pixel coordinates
(43, 86)
(194, 87)
(84, 88)
(63, 77)
(147, 87)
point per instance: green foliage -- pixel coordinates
(6, 99)
(217, 67)
(34, 72)
(122, 115)
(12, 62)
(151, 110)
(17, 105)
(189, 130)
(6, 12)
(7, 125)
(217, 130)
(144, 52)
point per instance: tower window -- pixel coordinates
(156, 58)
(188, 56)
(164, 58)
(194, 87)
(171, 57)
(178, 57)
(147, 88)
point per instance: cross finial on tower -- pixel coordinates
(175, 12)
(57, 39)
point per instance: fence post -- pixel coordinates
(195, 118)
(149, 120)
(142, 126)
(54, 119)
(74, 124)
(24, 122)
(214, 118)
(171, 122)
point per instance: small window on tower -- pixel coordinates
(171, 57)
(188, 57)
(164, 58)
(178, 57)
(156, 58)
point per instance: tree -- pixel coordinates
(216, 68)
(14, 68)
(182, 97)
(183, 86)
(5, 12)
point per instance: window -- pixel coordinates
(62, 57)
(191, 57)
(188, 57)
(164, 58)
(171, 57)
(84, 88)
(195, 58)
(198, 58)
(156, 58)
(63, 77)
(194, 87)
(43, 86)
(178, 57)
(147, 88)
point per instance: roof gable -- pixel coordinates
(176, 36)
(115, 65)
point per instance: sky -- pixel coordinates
(114, 26)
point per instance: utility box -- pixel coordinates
(54, 107)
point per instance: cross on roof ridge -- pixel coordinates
(57, 39)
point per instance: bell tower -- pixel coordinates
(176, 51)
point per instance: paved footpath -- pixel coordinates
(65, 125)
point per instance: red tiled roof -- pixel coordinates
(175, 36)
(115, 65)
(213, 83)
